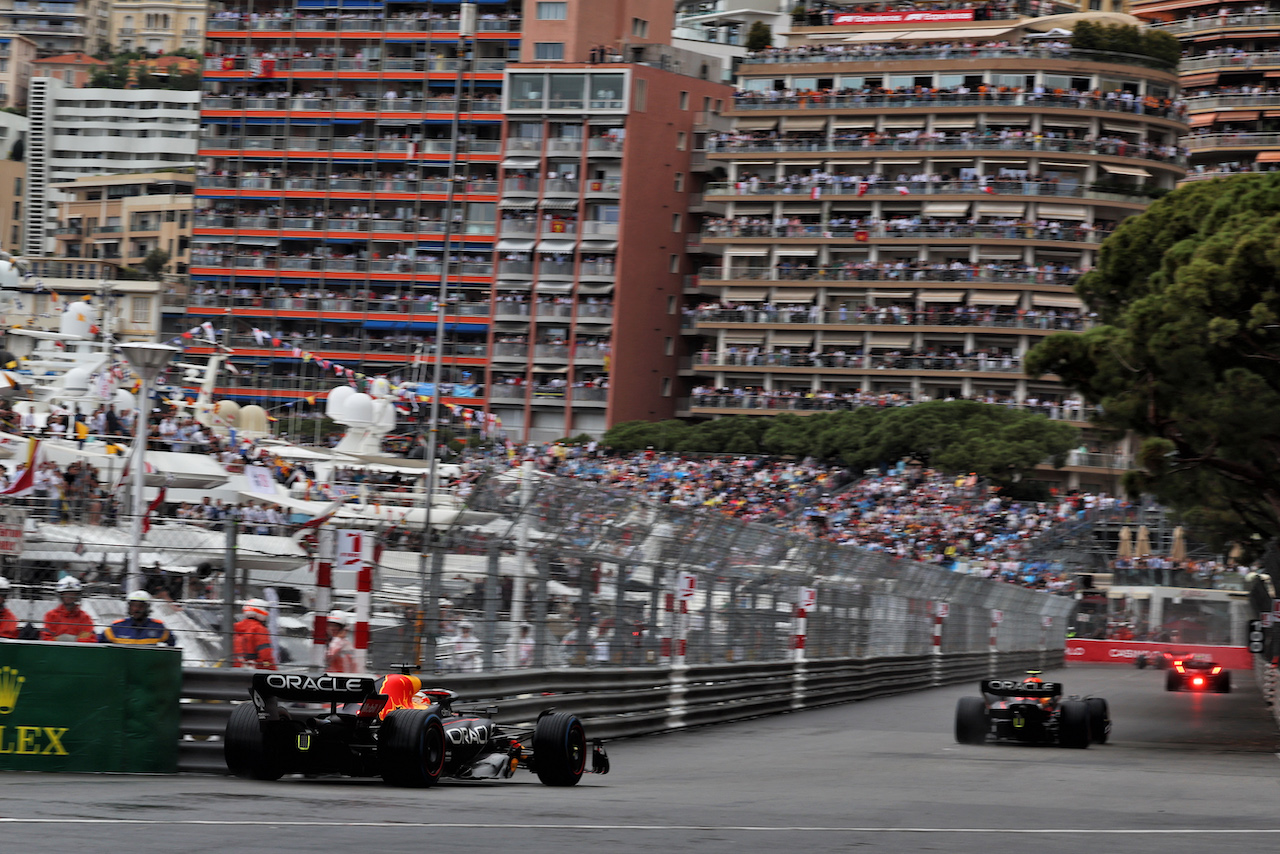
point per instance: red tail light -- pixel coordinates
(1197, 682)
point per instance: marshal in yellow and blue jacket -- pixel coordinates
(145, 632)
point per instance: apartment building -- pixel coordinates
(158, 26)
(17, 53)
(99, 132)
(1231, 59)
(904, 211)
(58, 26)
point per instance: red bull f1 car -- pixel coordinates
(394, 729)
(1031, 710)
(1197, 673)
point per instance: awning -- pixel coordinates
(950, 35)
(882, 341)
(1057, 121)
(853, 123)
(848, 162)
(874, 36)
(1063, 211)
(998, 120)
(521, 163)
(1271, 114)
(1131, 171)
(521, 204)
(999, 209)
(1060, 165)
(941, 296)
(1240, 115)
(1268, 157)
(746, 252)
(793, 252)
(1201, 120)
(993, 297)
(746, 294)
(1056, 301)
(599, 245)
(953, 209)
(744, 338)
(954, 123)
(891, 294)
(1117, 127)
(512, 244)
(789, 295)
(791, 339)
(559, 203)
(755, 124)
(805, 123)
(594, 288)
(555, 287)
(556, 246)
(1207, 79)
(854, 338)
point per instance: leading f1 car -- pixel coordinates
(1197, 672)
(395, 729)
(1031, 710)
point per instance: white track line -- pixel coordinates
(444, 825)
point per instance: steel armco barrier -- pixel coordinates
(622, 702)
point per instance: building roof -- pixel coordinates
(74, 58)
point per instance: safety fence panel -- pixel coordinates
(621, 702)
(86, 708)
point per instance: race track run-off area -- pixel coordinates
(1182, 773)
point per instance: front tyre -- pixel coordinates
(972, 724)
(247, 750)
(1073, 724)
(411, 748)
(559, 749)
(1099, 719)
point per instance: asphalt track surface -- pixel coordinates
(1182, 773)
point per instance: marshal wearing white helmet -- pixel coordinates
(68, 621)
(252, 640)
(138, 629)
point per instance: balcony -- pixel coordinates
(561, 187)
(1266, 20)
(1231, 62)
(603, 146)
(998, 188)
(511, 310)
(558, 229)
(338, 185)
(521, 186)
(503, 350)
(596, 229)
(556, 269)
(1024, 51)
(515, 268)
(282, 144)
(866, 146)
(823, 401)
(915, 364)
(551, 311)
(518, 228)
(1231, 140)
(564, 146)
(604, 188)
(958, 231)
(854, 273)
(1043, 320)
(556, 352)
(1201, 103)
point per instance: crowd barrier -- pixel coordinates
(1127, 652)
(621, 702)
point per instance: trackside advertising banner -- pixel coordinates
(850, 19)
(1125, 652)
(84, 707)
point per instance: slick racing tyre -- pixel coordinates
(1099, 719)
(247, 750)
(972, 724)
(1073, 724)
(1172, 681)
(1224, 682)
(411, 748)
(559, 749)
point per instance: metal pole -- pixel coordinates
(229, 589)
(466, 30)
(492, 597)
(137, 460)
(522, 560)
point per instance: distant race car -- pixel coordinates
(395, 730)
(1197, 672)
(1031, 710)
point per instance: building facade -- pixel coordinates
(158, 26)
(58, 26)
(904, 212)
(98, 132)
(17, 53)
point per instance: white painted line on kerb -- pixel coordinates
(450, 825)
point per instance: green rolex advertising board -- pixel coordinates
(84, 707)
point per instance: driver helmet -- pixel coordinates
(257, 609)
(69, 584)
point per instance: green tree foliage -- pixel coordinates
(155, 263)
(1122, 38)
(1188, 353)
(955, 436)
(759, 36)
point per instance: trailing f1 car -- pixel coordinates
(1031, 710)
(1197, 673)
(396, 730)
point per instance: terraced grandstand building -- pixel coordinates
(904, 208)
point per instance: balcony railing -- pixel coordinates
(1025, 50)
(300, 263)
(1049, 320)
(413, 24)
(874, 362)
(821, 400)
(1232, 140)
(320, 224)
(339, 185)
(281, 144)
(294, 104)
(906, 231)
(406, 304)
(798, 192)
(1052, 146)
(853, 273)
(753, 102)
(1230, 61)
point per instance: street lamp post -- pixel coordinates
(147, 361)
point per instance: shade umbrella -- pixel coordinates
(1142, 547)
(1178, 551)
(1124, 551)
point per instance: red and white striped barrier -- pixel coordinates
(323, 601)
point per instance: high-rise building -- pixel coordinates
(58, 26)
(79, 132)
(907, 203)
(331, 154)
(1231, 58)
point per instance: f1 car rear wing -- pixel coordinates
(299, 687)
(1017, 688)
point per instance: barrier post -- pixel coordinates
(940, 612)
(323, 563)
(993, 655)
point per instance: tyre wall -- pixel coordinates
(86, 708)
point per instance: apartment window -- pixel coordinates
(719, 105)
(682, 141)
(671, 305)
(675, 263)
(669, 346)
(706, 104)
(69, 77)
(676, 222)
(640, 28)
(141, 309)
(641, 100)
(679, 182)
(548, 50)
(684, 100)
(552, 11)
(666, 386)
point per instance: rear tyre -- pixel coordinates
(1099, 719)
(972, 724)
(1172, 681)
(559, 749)
(248, 751)
(1073, 724)
(411, 748)
(1224, 682)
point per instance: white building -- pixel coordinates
(720, 27)
(78, 132)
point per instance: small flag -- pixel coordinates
(902, 191)
(815, 193)
(990, 191)
(862, 188)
